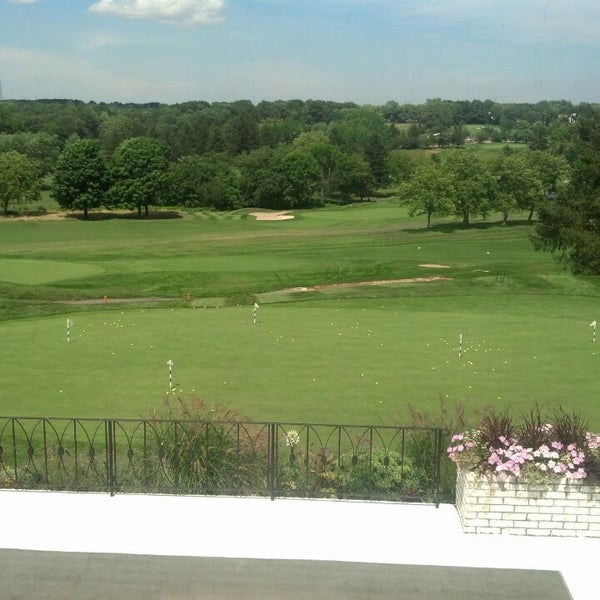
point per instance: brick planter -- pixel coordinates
(487, 505)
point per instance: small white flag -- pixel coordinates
(69, 323)
(593, 324)
(256, 305)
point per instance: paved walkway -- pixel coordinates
(352, 537)
(29, 575)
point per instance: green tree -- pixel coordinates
(472, 183)
(81, 176)
(281, 178)
(341, 173)
(326, 155)
(261, 178)
(19, 180)
(42, 147)
(517, 184)
(363, 131)
(428, 192)
(569, 220)
(301, 175)
(204, 181)
(554, 174)
(116, 128)
(240, 132)
(352, 177)
(569, 227)
(138, 174)
(538, 139)
(403, 163)
(437, 114)
(376, 155)
(459, 134)
(414, 137)
(274, 131)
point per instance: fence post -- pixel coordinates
(272, 459)
(438, 466)
(14, 451)
(111, 456)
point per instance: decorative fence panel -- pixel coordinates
(225, 458)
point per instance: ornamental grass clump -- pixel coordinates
(207, 449)
(534, 450)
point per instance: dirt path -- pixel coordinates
(117, 300)
(366, 283)
(314, 288)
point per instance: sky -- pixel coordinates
(363, 51)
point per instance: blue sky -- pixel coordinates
(366, 51)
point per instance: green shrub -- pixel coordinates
(380, 474)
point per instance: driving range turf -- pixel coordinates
(337, 353)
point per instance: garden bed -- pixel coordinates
(488, 504)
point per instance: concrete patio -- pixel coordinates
(289, 529)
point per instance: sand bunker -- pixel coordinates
(365, 283)
(272, 216)
(434, 266)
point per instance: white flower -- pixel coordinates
(292, 438)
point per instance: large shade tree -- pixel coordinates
(139, 174)
(553, 172)
(81, 176)
(429, 192)
(518, 186)
(472, 184)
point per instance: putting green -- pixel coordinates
(321, 362)
(35, 272)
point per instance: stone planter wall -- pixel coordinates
(486, 505)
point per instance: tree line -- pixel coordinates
(298, 154)
(199, 127)
(465, 184)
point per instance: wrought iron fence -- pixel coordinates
(225, 458)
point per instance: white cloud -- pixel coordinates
(194, 12)
(21, 1)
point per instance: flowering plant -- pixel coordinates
(535, 454)
(292, 438)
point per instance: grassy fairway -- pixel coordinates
(336, 354)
